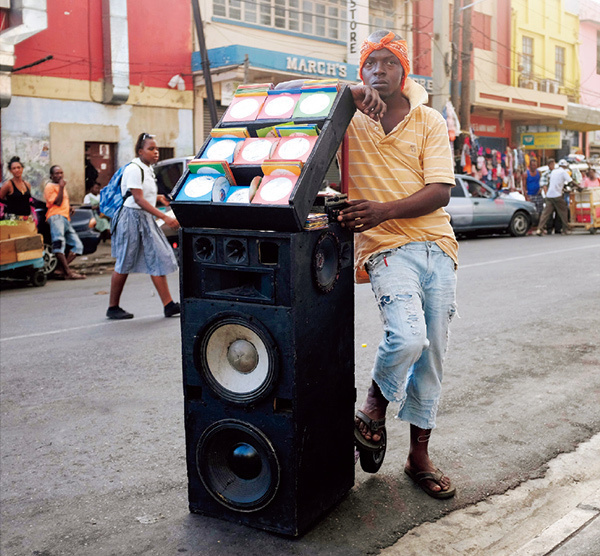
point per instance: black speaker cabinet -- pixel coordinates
(268, 369)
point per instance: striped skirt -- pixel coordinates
(139, 245)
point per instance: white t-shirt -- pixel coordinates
(132, 179)
(91, 199)
(558, 179)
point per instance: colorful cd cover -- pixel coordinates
(275, 190)
(255, 150)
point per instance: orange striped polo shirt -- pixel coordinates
(394, 166)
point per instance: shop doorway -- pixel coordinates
(99, 163)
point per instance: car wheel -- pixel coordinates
(50, 260)
(519, 224)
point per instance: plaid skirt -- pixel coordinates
(139, 245)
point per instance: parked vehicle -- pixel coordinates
(169, 171)
(475, 207)
(83, 222)
(167, 174)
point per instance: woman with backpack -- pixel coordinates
(138, 244)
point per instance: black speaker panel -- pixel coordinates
(268, 375)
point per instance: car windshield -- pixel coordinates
(167, 176)
(477, 189)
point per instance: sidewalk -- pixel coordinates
(99, 262)
(557, 514)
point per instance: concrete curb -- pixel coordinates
(534, 519)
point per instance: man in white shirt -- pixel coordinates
(555, 202)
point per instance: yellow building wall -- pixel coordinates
(549, 25)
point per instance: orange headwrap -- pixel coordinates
(398, 48)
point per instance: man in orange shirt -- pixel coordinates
(400, 174)
(58, 217)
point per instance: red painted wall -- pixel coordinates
(422, 33)
(160, 42)
(490, 127)
(503, 45)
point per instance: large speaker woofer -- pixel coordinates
(238, 465)
(238, 358)
(326, 262)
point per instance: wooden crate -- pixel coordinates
(22, 248)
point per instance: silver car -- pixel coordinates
(476, 207)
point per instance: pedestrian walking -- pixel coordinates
(532, 190)
(555, 201)
(138, 244)
(400, 177)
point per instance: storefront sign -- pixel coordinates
(234, 56)
(358, 30)
(316, 67)
(546, 140)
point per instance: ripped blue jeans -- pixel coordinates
(415, 289)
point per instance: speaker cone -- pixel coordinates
(204, 248)
(236, 251)
(238, 465)
(326, 262)
(237, 358)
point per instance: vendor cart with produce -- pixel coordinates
(22, 251)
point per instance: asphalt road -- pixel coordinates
(92, 445)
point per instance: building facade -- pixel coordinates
(117, 69)
(589, 58)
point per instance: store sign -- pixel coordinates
(546, 140)
(315, 67)
(358, 30)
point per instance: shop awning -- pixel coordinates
(581, 118)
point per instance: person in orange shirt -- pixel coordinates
(400, 171)
(58, 217)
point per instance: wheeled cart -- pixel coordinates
(584, 209)
(21, 251)
(32, 270)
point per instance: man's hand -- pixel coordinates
(62, 183)
(368, 101)
(363, 215)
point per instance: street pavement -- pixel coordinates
(93, 455)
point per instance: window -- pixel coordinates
(382, 15)
(527, 56)
(481, 29)
(559, 65)
(319, 18)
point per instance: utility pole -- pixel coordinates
(210, 95)
(454, 88)
(441, 40)
(465, 93)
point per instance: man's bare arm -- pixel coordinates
(362, 215)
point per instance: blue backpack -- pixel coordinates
(111, 198)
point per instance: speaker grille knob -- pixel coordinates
(242, 356)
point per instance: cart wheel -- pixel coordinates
(38, 278)
(372, 461)
(593, 230)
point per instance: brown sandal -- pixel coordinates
(75, 276)
(420, 478)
